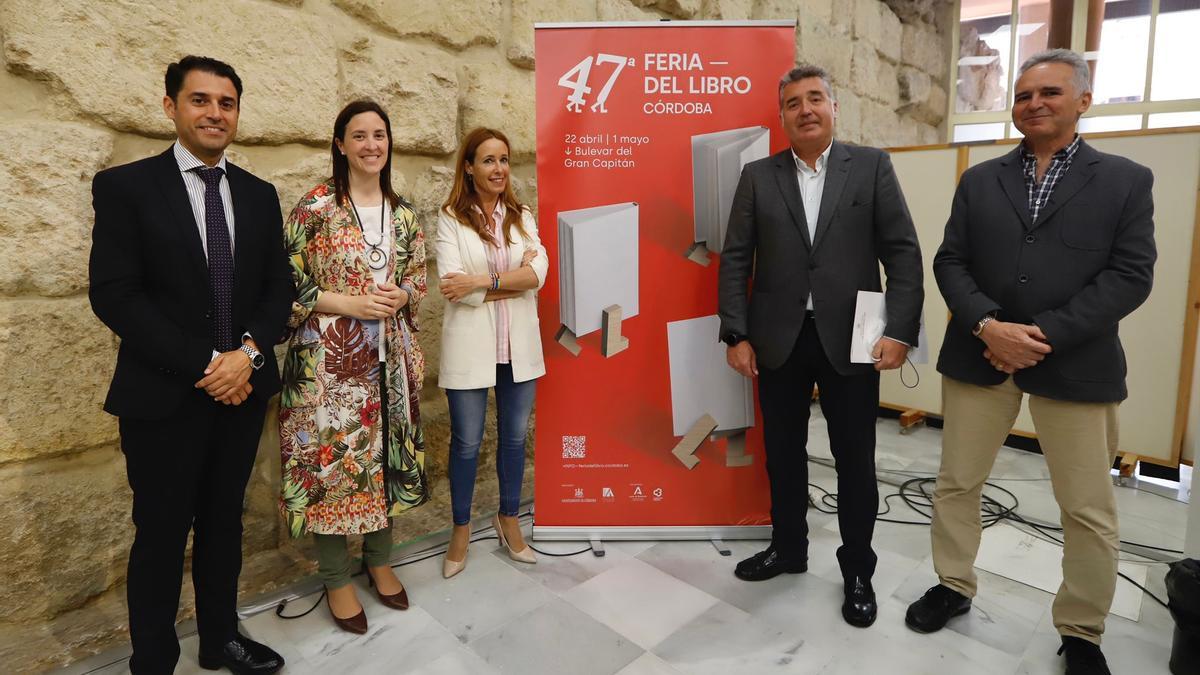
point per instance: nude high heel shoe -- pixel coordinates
(451, 567)
(525, 555)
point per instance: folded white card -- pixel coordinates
(870, 320)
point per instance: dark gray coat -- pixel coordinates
(1086, 264)
(863, 222)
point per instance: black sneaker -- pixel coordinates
(767, 565)
(935, 608)
(1083, 657)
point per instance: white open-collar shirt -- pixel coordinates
(812, 184)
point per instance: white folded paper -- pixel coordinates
(870, 320)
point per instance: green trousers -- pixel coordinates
(333, 555)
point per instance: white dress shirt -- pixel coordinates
(812, 184)
(195, 192)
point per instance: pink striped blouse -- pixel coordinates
(497, 257)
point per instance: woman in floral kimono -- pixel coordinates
(358, 259)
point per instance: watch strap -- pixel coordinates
(256, 358)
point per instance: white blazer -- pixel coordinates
(469, 327)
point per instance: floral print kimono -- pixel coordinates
(337, 476)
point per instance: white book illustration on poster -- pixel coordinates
(597, 265)
(702, 383)
(870, 320)
(717, 161)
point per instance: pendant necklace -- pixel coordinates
(376, 257)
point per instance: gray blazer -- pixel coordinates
(1084, 265)
(863, 222)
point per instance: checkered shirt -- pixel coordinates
(1039, 193)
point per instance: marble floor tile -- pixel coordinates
(725, 639)
(648, 664)
(699, 564)
(561, 574)
(484, 596)
(396, 641)
(1021, 556)
(891, 647)
(640, 602)
(461, 661)
(1129, 647)
(556, 638)
(1003, 614)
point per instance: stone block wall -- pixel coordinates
(82, 90)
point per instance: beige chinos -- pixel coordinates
(1079, 442)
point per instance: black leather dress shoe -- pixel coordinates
(859, 608)
(1083, 657)
(767, 565)
(243, 656)
(935, 608)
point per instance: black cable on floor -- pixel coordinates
(1144, 589)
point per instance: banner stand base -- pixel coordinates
(721, 547)
(596, 536)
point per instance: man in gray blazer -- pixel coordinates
(808, 230)
(1046, 250)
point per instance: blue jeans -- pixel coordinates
(468, 408)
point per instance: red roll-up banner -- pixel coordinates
(642, 131)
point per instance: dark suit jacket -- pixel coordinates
(863, 222)
(149, 282)
(1085, 264)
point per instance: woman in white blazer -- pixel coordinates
(492, 264)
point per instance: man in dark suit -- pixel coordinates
(808, 230)
(188, 269)
(1046, 250)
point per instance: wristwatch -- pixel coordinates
(978, 329)
(733, 339)
(256, 358)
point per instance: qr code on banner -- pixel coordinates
(574, 447)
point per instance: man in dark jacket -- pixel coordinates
(188, 269)
(809, 228)
(1046, 250)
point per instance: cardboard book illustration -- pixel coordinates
(717, 161)
(597, 274)
(708, 398)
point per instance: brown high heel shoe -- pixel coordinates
(396, 601)
(356, 624)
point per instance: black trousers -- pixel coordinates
(850, 405)
(188, 472)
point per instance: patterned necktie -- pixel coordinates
(220, 260)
